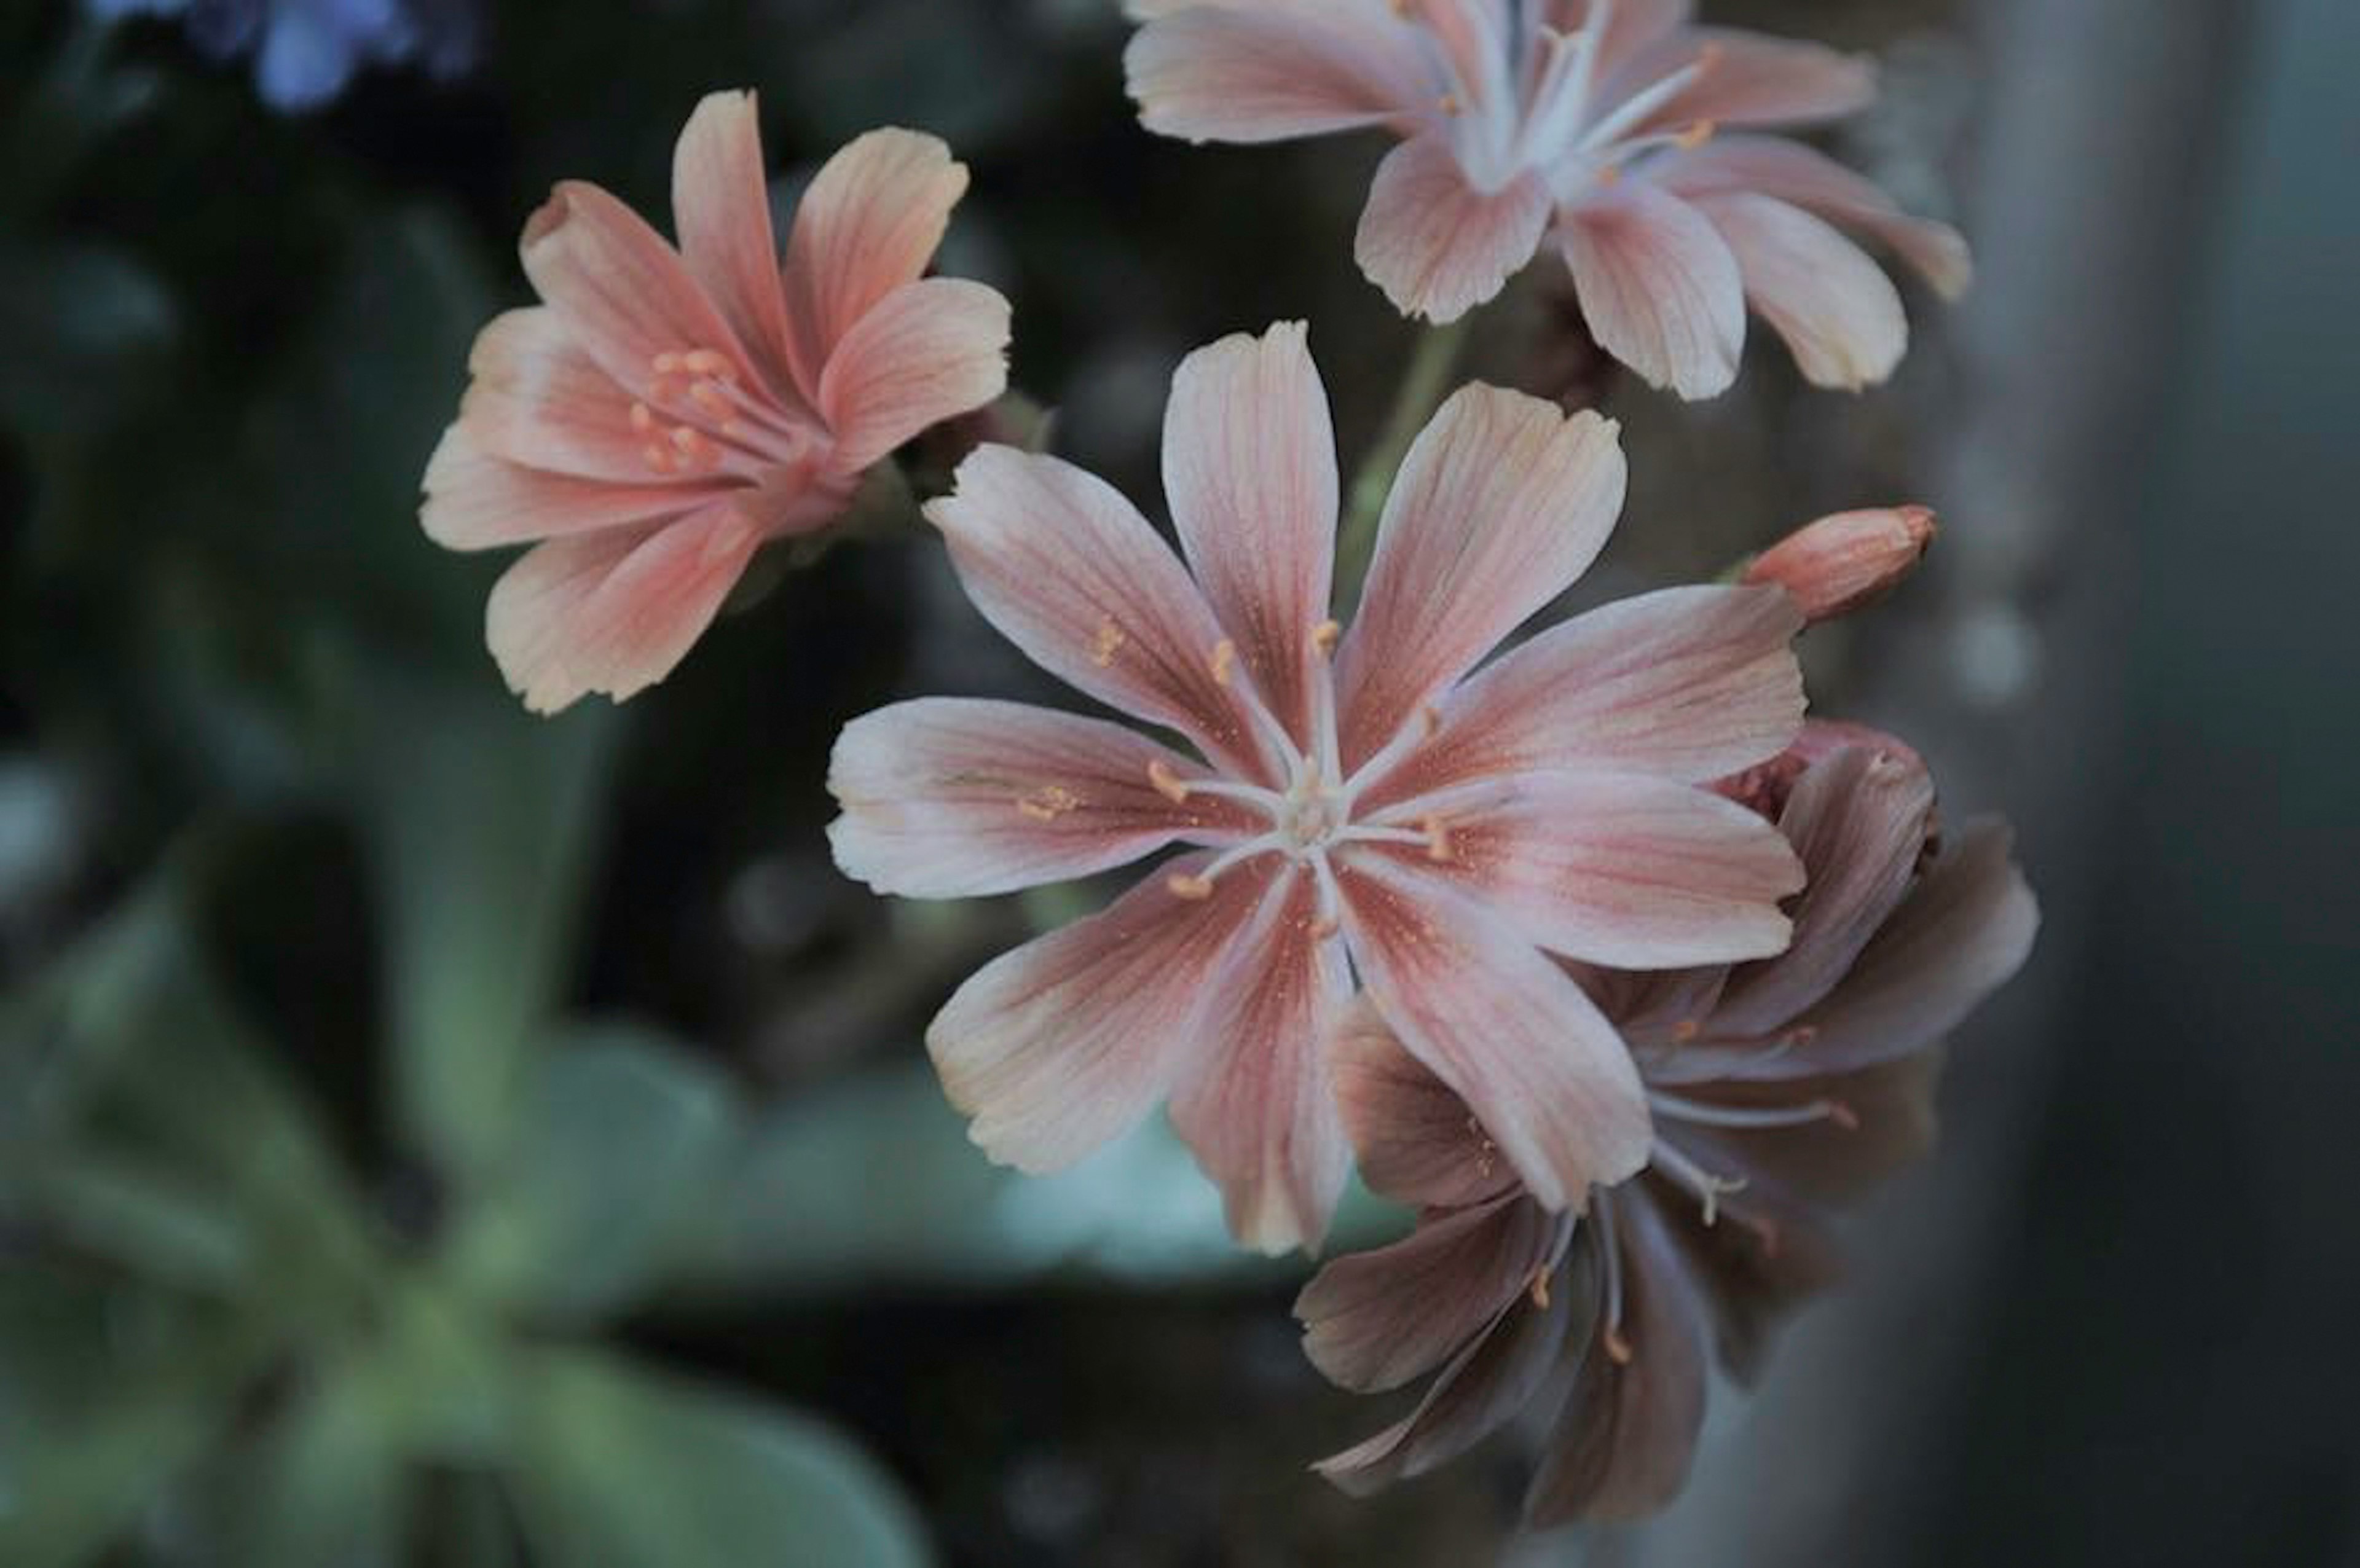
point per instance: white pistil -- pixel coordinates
(1634, 109)
(1707, 1188)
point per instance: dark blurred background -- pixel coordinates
(430, 1135)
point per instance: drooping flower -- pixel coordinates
(1358, 805)
(306, 51)
(1591, 127)
(667, 412)
(1775, 1088)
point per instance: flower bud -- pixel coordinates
(1837, 565)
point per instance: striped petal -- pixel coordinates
(1275, 70)
(1658, 285)
(869, 222)
(1436, 243)
(1833, 306)
(955, 798)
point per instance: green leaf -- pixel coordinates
(86, 328)
(324, 1484)
(621, 1142)
(479, 818)
(624, 1468)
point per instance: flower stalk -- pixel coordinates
(1423, 387)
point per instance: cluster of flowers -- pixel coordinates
(1595, 953)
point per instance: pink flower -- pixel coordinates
(1839, 563)
(1775, 1087)
(1358, 804)
(1589, 125)
(667, 412)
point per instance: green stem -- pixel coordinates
(1423, 387)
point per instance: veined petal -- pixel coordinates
(957, 797)
(476, 501)
(1859, 819)
(1509, 1031)
(1689, 684)
(869, 222)
(1056, 1048)
(1437, 244)
(1070, 573)
(1889, 1123)
(1501, 503)
(1749, 79)
(1836, 308)
(1249, 468)
(1373, 1321)
(614, 612)
(1790, 171)
(624, 295)
(1658, 285)
(1259, 1107)
(537, 399)
(1624, 1440)
(1482, 1388)
(1630, 25)
(1766, 1255)
(721, 205)
(1965, 929)
(1273, 72)
(1417, 1142)
(1617, 869)
(926, 352)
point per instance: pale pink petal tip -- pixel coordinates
(1438, 246)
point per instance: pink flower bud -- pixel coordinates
(1834, 566)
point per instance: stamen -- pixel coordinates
(1686, 1031)
(1540, 1287)
(1703, 1113)
(1049, 802)
(1448, 104)
(1695, 136)
(1195, 889)
(1108, 643)
(643, 418)
(707, 362)
(669, 364)
(659, 458)
(1438, 836)
(1324, 635)
(1610, 1266)
(1635, 109)
(1167, 783)
(1224, 662)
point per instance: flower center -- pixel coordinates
(698, 416)
(1310, 815)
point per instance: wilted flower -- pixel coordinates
(306, 51)
(1589, 125)
(1775, 1087)
(667, 412)
(1357, 803)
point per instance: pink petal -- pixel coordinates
(1375, 1320)
(1484, 1386)
(537, 399)
(1685, 683)
(1250, 467)
(1501, 503)
(475, 501)
(1505, 1028)
(926, 352)
(1630, 25)
(1835, 308)
(1658, 285)
(1960, 935)
(1860, 822)
(869, 223)
(614, 612)
(1060, 1046)
(721, 205)
(1620, 868)
(1417, 1142)
(1623, 1443)
(1259, 1109)
(1273, 72)
(1438, 246)
(1749, 79)
(623, 294)
(1773, 166)
(953, 798)
(1070, 573)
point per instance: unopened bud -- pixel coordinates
(1837, 565)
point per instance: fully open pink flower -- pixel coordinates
(1356, 802)
(1775, 1088)
(666, 412)
(1586, 125)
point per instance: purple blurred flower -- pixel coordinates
(305, 51)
